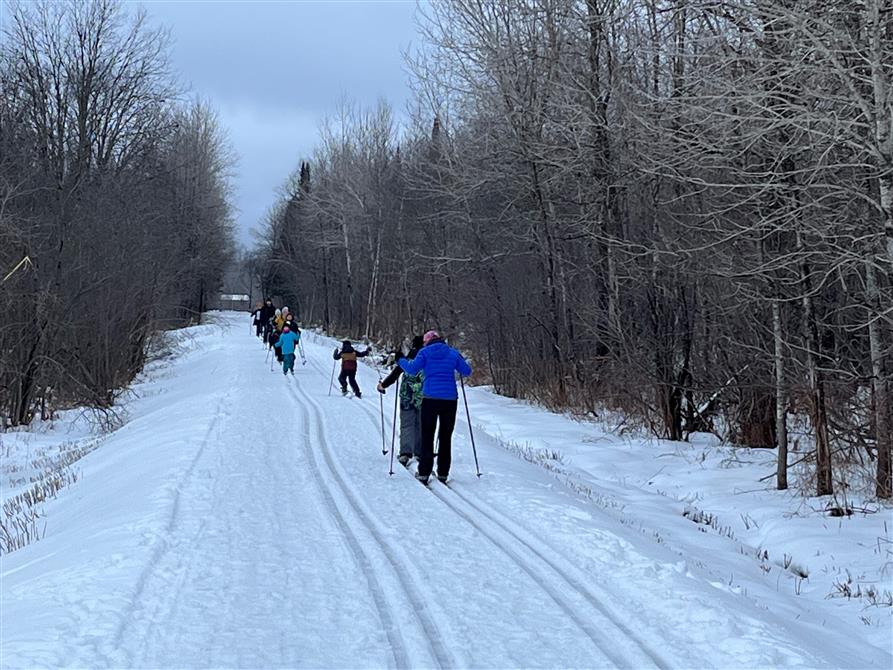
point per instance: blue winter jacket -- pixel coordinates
(439, 362)
(287, 341)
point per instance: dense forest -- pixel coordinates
(679, 211)
(115, 221)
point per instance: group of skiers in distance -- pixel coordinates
(278, 330)
(427, 394)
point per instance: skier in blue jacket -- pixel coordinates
(439, 362)
(287, 343)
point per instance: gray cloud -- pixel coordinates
(274, 70)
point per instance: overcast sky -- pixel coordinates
(274, 70)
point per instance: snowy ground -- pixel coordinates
(240, 519)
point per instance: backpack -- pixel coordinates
(411, 391)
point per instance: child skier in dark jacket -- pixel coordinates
(264, 316)
(410, 404)
(348, 357)
(256, 320)
(272, 339)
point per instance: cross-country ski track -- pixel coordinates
(241, 518)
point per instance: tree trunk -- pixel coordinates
(599, 97)
(819, 413)
(885, 186)
(326, 312)
(373, 286)
(881, 32)
(552, 263)
(880, 388)
(781, 401)
(349, 277)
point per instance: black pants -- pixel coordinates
(434, 409)
(348, 376)
(258, 329)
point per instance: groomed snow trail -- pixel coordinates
(245, 519)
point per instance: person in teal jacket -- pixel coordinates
(287, 343)
(439, 364)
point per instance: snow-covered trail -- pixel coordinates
(244, 519)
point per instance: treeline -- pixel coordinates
(679, 210)
(114, 218)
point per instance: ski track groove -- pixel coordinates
(376, 590)
(164, 545)
(398, 647)
(548, 555)
(530, 567)
(447, 494)
(439, 651)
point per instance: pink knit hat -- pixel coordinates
(430, 335)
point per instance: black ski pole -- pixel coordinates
(384, 451)
(394, 424)
(393, 433)
(332, 380)
(394, 430)
(470, 430)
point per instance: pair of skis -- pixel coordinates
(474, 450)
(300, 349)
(393, 432)
(431, 478)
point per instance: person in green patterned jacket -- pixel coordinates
(410, 404)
